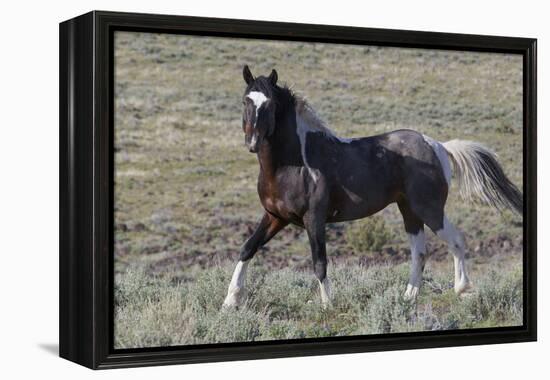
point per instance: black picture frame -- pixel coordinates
(86, 188)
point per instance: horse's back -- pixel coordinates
(375, 171)
(405, 142)
(385, 156)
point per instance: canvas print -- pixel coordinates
(280, 190)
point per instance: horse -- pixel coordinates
(310, 177)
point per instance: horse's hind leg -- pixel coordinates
(417, 240)
(434, 217)
(455, 240)
(266, 229)
(426, 194)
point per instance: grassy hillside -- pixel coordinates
(185, 186)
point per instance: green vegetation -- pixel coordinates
(158, 310)
(368, 235)
(185, 189)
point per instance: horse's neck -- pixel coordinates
(268, 163)
(282, 148)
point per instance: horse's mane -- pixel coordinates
(287, 98)
(310, 116)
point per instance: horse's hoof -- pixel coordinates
(235, 298)
(226, 307)
(411, 293)
(463, 288)
(230, 305)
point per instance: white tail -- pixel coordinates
(480, 176)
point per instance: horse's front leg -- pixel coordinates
(314, 222)
(417, 240)
(266, 229)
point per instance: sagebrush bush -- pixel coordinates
(208, 291)
(387, 312)
(498, 299)
(369, 234)
(350, 292)
(284, 294)
(286, 329)
(150, 311)
(240, 325)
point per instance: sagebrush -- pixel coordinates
(159, 311)
(369, 234)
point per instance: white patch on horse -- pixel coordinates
(352, 196)
(254, 138)
(258, 98)
(442, 155)
(345, 140)
(418, 252)
(237, 291)
(324, 286)
(302, 128)
(315, 122)
(455, 240)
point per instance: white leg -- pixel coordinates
(455, 240)
(324, 286)
(418, 256)
(236, 293)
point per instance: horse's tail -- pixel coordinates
(480, 176)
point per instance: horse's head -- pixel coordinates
(259, 108)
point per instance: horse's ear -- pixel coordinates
(247, 75)
(273, 77)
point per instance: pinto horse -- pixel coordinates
(310, 177)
